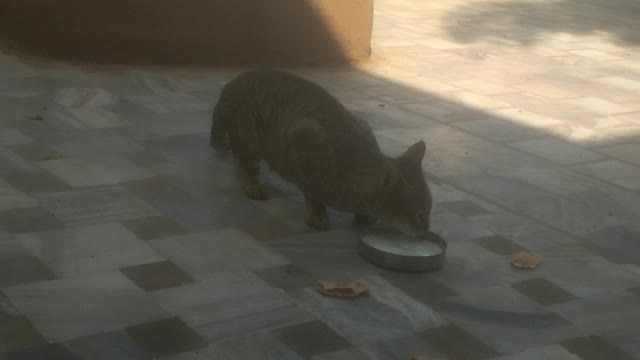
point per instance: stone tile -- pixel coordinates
(353, 353)
(436, 136)
(499, 245)
(312, 338)
(11, 198)
(621, 204)
(500, 189)
(443, 111)
(548, 90)
(555, 352)
(88, 249)
(123, 169)
(579, 271)
(291, 211)
(203, 254)
(95, 205)
(568, 214)
(17, 332)
(198, 213)
(190, 146)
(407, 347)
(557, 151)
(154, 227)
(455, 228)
(17, 86)
(422, 287)
(100, 143)
(422, 83)
(79, 172)
(553, 179)
(202, 178)
(18, 267)
(616, 172)
(107, 346)
(156, 188)
(88, 173)
(483, 87)
(612, 315)
(12, 164)
(624, 83)
(396, 313)
(543, 291)
(145, 158)
(325, 255)
(270, 229)
(625, 152)
(89, 118)
(36, 182)
(286, 277)
(472, 99)
(11, 136)
(191, 122)
(7, 309)
(530, 119)
(247, 305)
(84, 97)
(169, 102)
(546, 108)
(573, 216)
(35, 152)
(617, 244)
(464, 274)
(29, 220)
(165, 337)
(53, 308)
(600, 106)
(498, 130)
(594, 347)
(506, 320)
(465, 208)
(455, 343)
(41, 352)
(253, 346)
(157, 275)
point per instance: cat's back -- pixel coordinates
(289, 109)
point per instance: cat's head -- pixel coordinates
(403, 199)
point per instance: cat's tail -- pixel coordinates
(218, 139)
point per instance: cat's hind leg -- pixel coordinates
(317, 217)
(247, 172)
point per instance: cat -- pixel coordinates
(309, 138)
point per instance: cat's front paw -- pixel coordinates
(255, 192)
(318, 221)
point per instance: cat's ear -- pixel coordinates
(415, 153)
(388, 176)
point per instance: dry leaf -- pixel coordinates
(342, 289)
(525, 260)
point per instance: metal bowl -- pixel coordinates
(390, 249)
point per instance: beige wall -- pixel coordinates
(191, 32)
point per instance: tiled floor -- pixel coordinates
(124, 236)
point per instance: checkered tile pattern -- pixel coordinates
(124, 236)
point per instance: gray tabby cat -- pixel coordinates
(308, 138)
